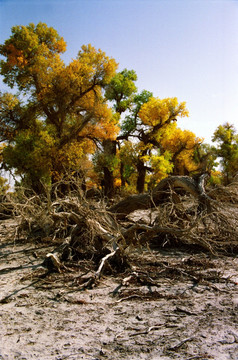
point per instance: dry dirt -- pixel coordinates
(177, 305)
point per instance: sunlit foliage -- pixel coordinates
(63, 111)
(86, 118)
(227, 150)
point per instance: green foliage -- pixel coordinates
(205, 156)
(64, 113)
(132, 122)
(216, 178)
(227, 150)
(102, 160)
(30, 154)
(121, 90)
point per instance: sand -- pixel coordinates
(189, 311)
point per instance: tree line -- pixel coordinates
(86, 120)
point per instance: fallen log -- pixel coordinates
(195, 187)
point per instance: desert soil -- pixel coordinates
(178, 304)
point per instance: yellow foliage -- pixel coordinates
(72, 154)
(181, 144)
(15, 57)
(96, 63)
(2, 146)
(177, 139)
(117, 182)
(161, 165)
(104, 124)
(60, 46)
(7, 102)
(162, 111)
(216, 177)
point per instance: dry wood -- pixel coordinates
(129, 298)
(158, 195)
(176, 347)
(147, 331)
(185, 214)
(103, 261)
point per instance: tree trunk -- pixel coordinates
(108, 183)
(123, 180)
(140, 184)
(160, 194)
(109, 152)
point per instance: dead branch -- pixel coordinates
(180, 212)
(176, 347)
(103, 261)
(160, 194)
(147, 331)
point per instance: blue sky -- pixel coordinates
(182, 48)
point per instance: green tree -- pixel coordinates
(161, 147)
(227, 150)
(132, 127)
(120, 92)
(156, 120)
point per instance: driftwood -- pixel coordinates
(160, 194)
(183, 215)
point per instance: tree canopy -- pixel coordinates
(227, 150)
(60, 111)
(87, 118)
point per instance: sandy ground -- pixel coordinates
(188, 311)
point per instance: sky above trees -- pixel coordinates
(179, 48)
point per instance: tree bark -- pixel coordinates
(160, 193)
(123, 180)
(140, 184)
(108, 181)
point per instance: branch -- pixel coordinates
(75, 130)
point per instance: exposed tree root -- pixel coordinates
(93, 279)
(179, 212)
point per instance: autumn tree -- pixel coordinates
(154, 118)
(227, 150)
(130, 129)
(159, 147)
(174, 155)
(60, 112)
(181, 144)
(120, 93)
